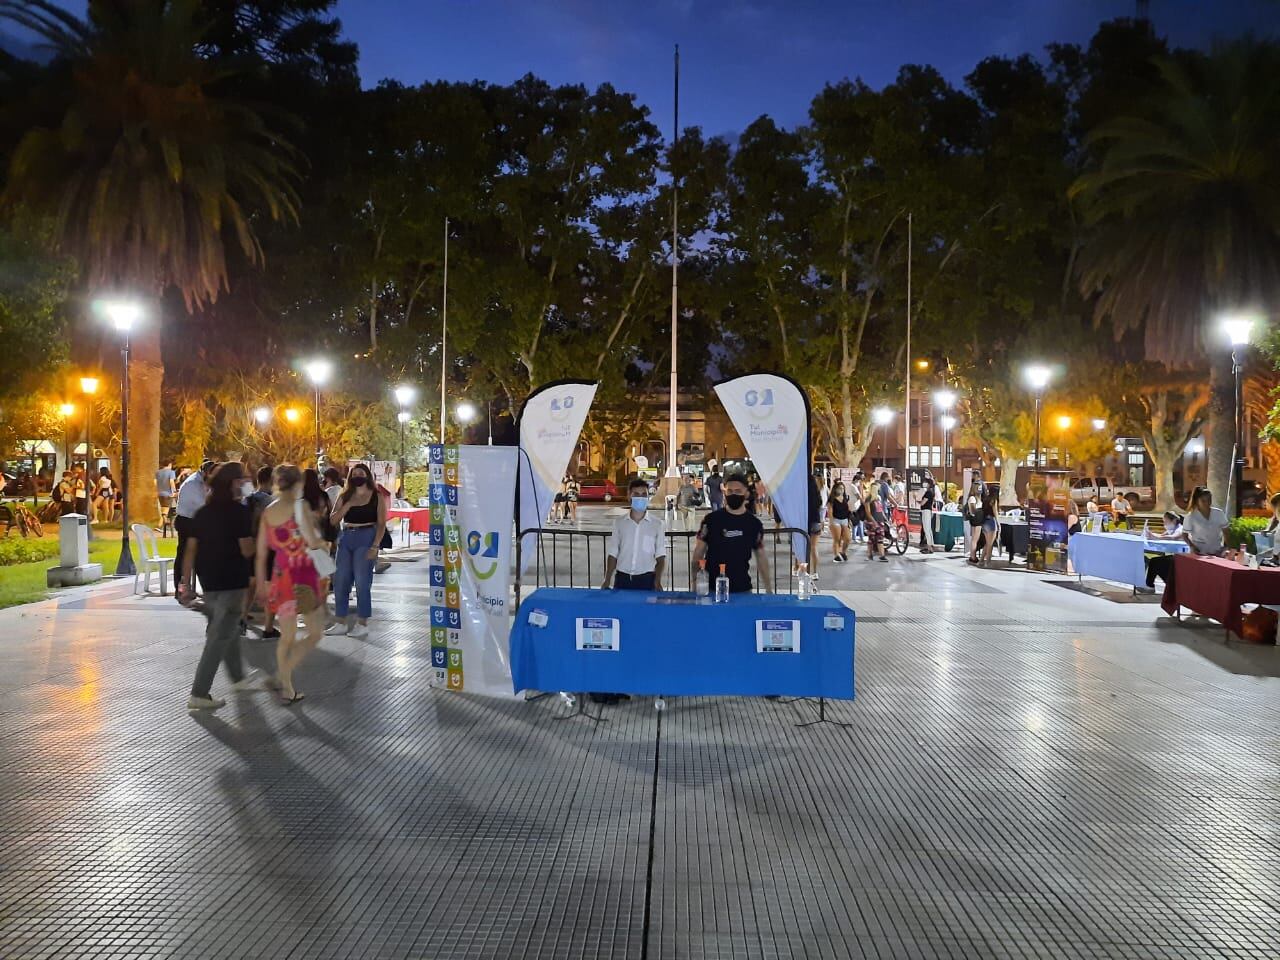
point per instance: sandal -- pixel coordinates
(290, 701)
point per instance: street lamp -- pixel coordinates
(881, 416)
(404, 395)
(1037, 377)
(88, 386)
(123, 314)
(1238, 328)
(318, 371)
(1064, 424)
(944, 400)
(262, 415)
(948, 424)
(66, 410)
(291, 414)
(466, 412)
(1099, 424)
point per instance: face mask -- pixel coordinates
(359, 480)
(734, 500)
(640, 504)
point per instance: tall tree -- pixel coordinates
(1185, 211)
(153, 177)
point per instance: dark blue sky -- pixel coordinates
(741, 58)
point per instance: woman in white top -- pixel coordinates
(1204, 525)
(104, 496)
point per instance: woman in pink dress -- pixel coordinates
(294, 588)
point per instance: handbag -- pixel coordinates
(319, 556)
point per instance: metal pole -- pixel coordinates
(444, 327)
(489, 407)
(946, 436)
(125, 567)
(88, 448)
(675, 269)
(318, 448)
(906, 446)
(1036, 453)
(401, 453)
(1237, 460)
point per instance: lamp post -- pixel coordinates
(88, 386)
(881, 416)
(123, 314)
(318, 371)
(945, 400)
(1237, 327)
(1037, 377)
(1064, 424)
(404, 396)
(466, 412)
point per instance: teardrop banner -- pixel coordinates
(771, 414)
(550, 423)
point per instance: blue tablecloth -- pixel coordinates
(670, 645)
(1116, 556)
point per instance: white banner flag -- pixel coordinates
(771, 415)
(550, 423)
(472, 493)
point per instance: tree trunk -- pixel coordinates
(1220, 435)
(1009, 478)
(146, 377)
(846, 423)
(1162, 459)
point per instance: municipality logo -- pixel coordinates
(561, 408)
(480, 548)
(759, 403)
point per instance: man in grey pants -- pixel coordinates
(219, 545)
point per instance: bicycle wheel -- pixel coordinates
(901, 539)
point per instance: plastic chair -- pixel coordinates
(1264, 544)
(149, 560)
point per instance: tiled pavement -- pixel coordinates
(1030, 772)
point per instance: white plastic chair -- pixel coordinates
(1264, 544)
(149, 560)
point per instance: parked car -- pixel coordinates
(597, 488)
(1082, 488)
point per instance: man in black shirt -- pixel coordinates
(729, 536)
(219, 542)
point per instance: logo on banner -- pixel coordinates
(759, 403)
(561, 408)
(481, 547)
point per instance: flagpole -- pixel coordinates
(906, 446)
(444, 328)
(675, 268)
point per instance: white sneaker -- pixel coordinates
(205, 703)
(249, 681)
(336, 629)
(359, 630)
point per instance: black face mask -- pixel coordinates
(734, 500)
(359, 481)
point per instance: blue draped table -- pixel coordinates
(668, 644)
(1116, 556)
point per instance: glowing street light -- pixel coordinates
(124, 315)
(262, 415)
(1037, 376)
(318, 371)
(881, 416)
(1099, 424)
(1238, 327)
(404, 395)
(466, 411)
(1064, 424)
(291, 414)
(66, 410)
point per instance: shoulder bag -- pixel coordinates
(320, 558)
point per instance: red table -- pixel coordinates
(1215, 588)
(419, 519)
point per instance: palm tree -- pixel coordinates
(1185, 210)
(154, 175)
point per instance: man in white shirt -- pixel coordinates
(191, 497)
(637, 547)
(1120, 510)
(1204, 524)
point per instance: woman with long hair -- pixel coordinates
(840, 516)
(104, 496)
(287, 531)
(363, 516)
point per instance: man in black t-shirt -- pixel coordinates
(729, 536)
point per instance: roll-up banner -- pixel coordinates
(771, 414)
(550, 423)
(472, 494)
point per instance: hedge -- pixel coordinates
(415, 485)
(26, 550)
(1242, 530)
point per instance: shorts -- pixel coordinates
(989, 526)
(815, 528)
(165, 502)
(875, 533)
(839, 523)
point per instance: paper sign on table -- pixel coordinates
(597, 633)
(777, 636)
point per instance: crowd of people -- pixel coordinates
(281, 539)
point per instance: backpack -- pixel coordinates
(56, 494)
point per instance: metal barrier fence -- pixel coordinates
(577, 558)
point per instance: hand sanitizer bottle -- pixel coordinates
(1146, 530)
(701, 582)
(804, 583)
(722, 587)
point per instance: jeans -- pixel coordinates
(221, 639)
(354, 566)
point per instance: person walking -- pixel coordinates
(79, 490)
(840, 520)
(972, 520)
(317, 499)
(191, 497)
(878, 520)
(715, 489)
(729, 536)
(287, 532)
(65, 494)
(165, 488)
(362, 515)
(258, 499)
(685, 496)
(572, 492)
(990, 513)
(219, 541)
(104, 495)
(928, 504)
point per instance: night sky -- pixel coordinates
(741, 58)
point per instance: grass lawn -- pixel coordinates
(25, 583)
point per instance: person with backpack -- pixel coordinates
(63, 494)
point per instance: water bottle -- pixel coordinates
(1146, 529)
(701, 582)
(804, 584)
(722, 587)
